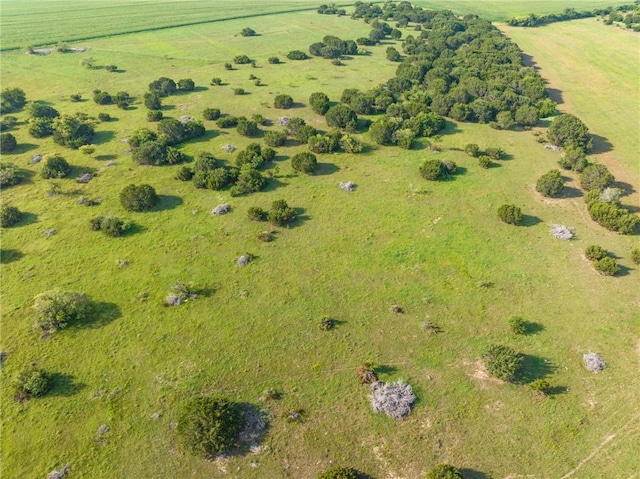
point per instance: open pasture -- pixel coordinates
(436, 249)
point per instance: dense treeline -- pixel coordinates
(614, 13)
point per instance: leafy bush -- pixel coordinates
(32, 383)
(55, 309)
(40, 127)
(540, 386)
(256, 213)
(249, 181)
(8, 143)
(211, 114)
(102, 97)
(319, 103)
(635, 255)
(304, 162)
(273, 60)
(338, 472)
(297, 55)
(550, 184)
(495, 153)
(138, 197)
(154, 115)
(350, 144)
(502, 362)
(104, 117)
(72, 131)
(613, 216)
(403, 138)
(275, 138)
(341, 116)
(9, 216)
(607, 266)
(184, 174)
(437, 170)
(595, 252)
(152, 100)
(596, 177)
(484, 161)
(444, 471)
(241, 60)
(7, 122)
(568, 131)
(247, 128)
(163, 86)
(9, 174)
(281, 214)
(227, 122)
(111, 225)
(573, 159)
(12, 99)
(282, 102)
(238, 91)
(186, 84)
(472, 149)
(510, 214)
(517, 325)
(209, 425)
(55, 166)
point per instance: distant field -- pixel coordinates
(570, 52)
(436, 249)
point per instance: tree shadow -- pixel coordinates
(102, 313)
(23, 148)
(626, 187)
(460, 170)
(296, 104)
(325, 169)
(534, 367)
(473, 474)
(27, 219)
(168, 107)
(570, 192)
(196, 89)
(300, 218)
(168, 202)
(529, 220)
(134, 229)
(105, 157)
(10, 255)
(385, 369)
(254, 428)
(555, 95)
(600, 145)
(208, 135)
(623, 271)
(64, 385)
(273, 183)
(102, 137)
(531, 327)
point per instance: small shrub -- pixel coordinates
(283, 102)
(104, 117)
(9, 216)
(550, 184)
(209, 425)
(9, 174)
(256, 213)
(275, 138)
(138, 197)
(327, 323)
(8, 143)
(55, 166)
(444, 471)
(184, 174)
(304, 162)
(366, 373)
(180, 293)
(297, 55)
(607, 266)
(238, 91)
(265, 236)
(273, 60)
(227, 122)
(495, 153)
(635, 255)
(338, 472)
(75, 97)
(154, 115)
(517, 325)
(111, 225)
(228, 66)
(56, 309)
(540, 386)
(510, 214)
(32, 383)
(241, 60)
(502, 362)
(216, 81)
(595, 252)
(281, 214)
(594, 362)
(484, 161)
(395, 400)
(211, 114)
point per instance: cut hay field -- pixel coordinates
(436, 249)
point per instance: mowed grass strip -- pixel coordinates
(436, 249)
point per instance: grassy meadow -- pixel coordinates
(435, 248)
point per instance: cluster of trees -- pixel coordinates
(151, 148)
(281, 214)
(333, 47)
(12, 100)
(602, 261)
(163, 87)
(630, 19)
(435, 170)
(331, 9)
(533, 20)
(110, 225)
(71, 131)
(122, 99)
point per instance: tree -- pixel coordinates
(249, 181)
(12, 99)
(382, 131)
(152, 100)
(281, 214)
(273, 60)
(338, 472)
(9, 174)
(55, 309)
(163, 86)
(72, 131)
(138, 197)
(573, 159)
(297, 55)
(341, 116)
(38, 110)
(595, 252)
(550, 184)
(209, 425)
(567, 130)
(55, 166)
(102, 97)
(40, 127)
(186, 84)
(319, 103)
(393, 55)
(502, 362)
(211, 114)
(248, 32)
(444, 471)
(596, 177)
(283, 102)
(607, 266)
(304, 162)
(527, 115)
(241, 60)
(434, 170)
(9, 216)
(247, 128)
(510, 214)
(275, 138)
(8, 143)
(31, 383)
(122, 100)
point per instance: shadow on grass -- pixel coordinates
(64, 385)
(530, 220)
(301, 218)
(10, 255)
(106, 157)
(385, 369)
(168, 202)
(23, 148)
(102, 137)
(134, 228)
(600, 144)
(531, 327)
(570, 192)
(254, 428)
(534, 367)
(273, 184)
(473, 474)
(325, 169)
(623, 271)
(208, 135)
(26, 219)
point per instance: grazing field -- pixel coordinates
(436, 249)
(568, 52)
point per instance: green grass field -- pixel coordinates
(436, 249)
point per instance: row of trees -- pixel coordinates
(533, 20)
